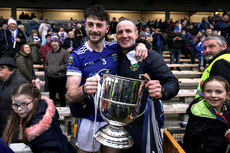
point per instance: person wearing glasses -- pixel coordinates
(9, 79)
(35, 118)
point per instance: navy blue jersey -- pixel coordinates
(85, 62)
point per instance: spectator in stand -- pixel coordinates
(208, 118)
(112, 27)
(63, 34)
(184, 25)
(22, 16)
(69, 28)
(208, 32)
(55, 66)
(203, 25)
(33, 25)
(50, 31)
(149, 37)
(43, 28)
(8, 81)
(215, 32)
(193, 41)
(14, 39)
(222, 25)
(200, 54)
(70, 42)
(78, 34)
(34, 120)
(26, 34)
(185, 49)
(24, 62)
(142, 39)
(54, 28)
(191, 29)
(3, 37)
(175, 42)
(35, 43)
(158, 42)
(167, 27)
(85, 38)
(43, 51)
(33, 16)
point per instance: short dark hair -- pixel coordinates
(98, 12)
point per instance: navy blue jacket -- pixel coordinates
(44, 132)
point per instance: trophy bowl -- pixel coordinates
(119, 105)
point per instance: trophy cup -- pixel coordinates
(119, 105)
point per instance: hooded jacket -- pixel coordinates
(204, 132)
(44, 132)
(25, 66)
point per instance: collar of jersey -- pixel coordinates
(90, 49)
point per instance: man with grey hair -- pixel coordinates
(78, 34)
(218, 56)
(26, 34)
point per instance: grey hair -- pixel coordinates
(20, 25)
(70, 32)
(220, 39)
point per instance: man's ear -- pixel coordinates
(224, 46)
(107, 29)
(136, 34)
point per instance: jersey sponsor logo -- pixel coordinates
(70, 59)
(134, 67)
(89, 63)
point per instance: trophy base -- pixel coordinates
(114, 137)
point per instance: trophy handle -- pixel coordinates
(106, 71)
(147, 78)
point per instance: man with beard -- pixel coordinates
(218, 56)
(85, 62)
(55, 66)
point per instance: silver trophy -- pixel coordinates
(119, 105)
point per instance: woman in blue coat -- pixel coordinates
(36, 120)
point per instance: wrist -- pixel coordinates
(83, 89)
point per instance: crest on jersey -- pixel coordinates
(134, 67)
(114, 56)
(70, 59)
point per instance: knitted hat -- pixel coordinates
(8, 61)
(55, 38)
(142, 34)
(177, 29)
(11, 21)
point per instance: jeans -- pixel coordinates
(204, 61)
(175, 53)
(192, 52)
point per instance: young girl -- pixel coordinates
(208, 118)
(35, 43)
(36, 120)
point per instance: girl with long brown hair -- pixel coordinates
(36, 120)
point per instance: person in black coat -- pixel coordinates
(162, 86)
(158, 42)
(8, 81)
(70, 43)
(36, 118)
(14, 39)
(208, 118)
